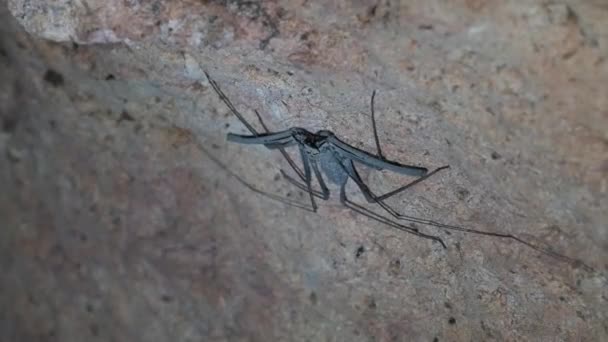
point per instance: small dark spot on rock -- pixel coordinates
(371, 12)
(75, 46)
(410, 68)
(215, 146)
(304, 36)
(166, 298)
(425, 27)
(452, 320)
(394, 267)
(313, 297)
(359, 251)
(462, 194)
(371, 304)
(110, 77)
(281, 13)
(32, 299)
(435, 339)
(125, 116)
(495, 155)
(290, 73)
(83, 237)
(569, 54)
(9, 124)
(226, 125)
(277, 177)
(116, 221)
(89, 307)
(580, 315)
(562, 298)
(53, 77)
(273, 72)
(94, 329)
(447, 305)
(53, 124)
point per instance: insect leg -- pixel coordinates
(410, 184)
(373, 161)
(308, 178)
(377, 140)
(323, 194)
(251, 187)
(290, 161)
(283, 137)
(374, 126)
(319, 176)
(229, 104)
(350, 168)
(379, 218)
(234, 111)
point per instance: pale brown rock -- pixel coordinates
(117, 227)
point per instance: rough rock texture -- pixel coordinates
(117, 226)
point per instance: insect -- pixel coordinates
(324, 153)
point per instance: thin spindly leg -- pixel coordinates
(377, 140)
(234, 111)
(374, 126)
(379, 218)
(290, 161)
(410, 184)
(323, 194)
(352, 172)
(370, 196)
(226, 101)
(251, 187)
(308, 179)
(276, 138)
(301, 186)
(315, 169)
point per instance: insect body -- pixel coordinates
(323, 151)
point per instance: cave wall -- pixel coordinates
(119, 224)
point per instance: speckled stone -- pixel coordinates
(116, 225)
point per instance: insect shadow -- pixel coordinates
(324, 152)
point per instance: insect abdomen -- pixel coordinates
(332, 169)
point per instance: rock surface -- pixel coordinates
(117, 224)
